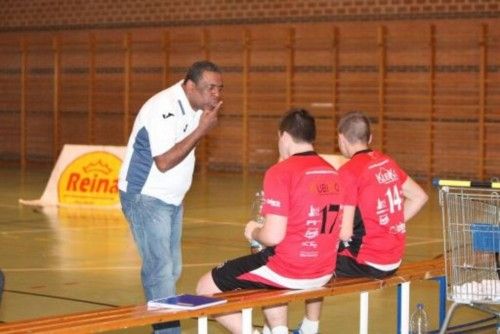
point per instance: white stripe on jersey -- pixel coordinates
(321, 172)
(384, 267)
(291, 283)
(378, 164)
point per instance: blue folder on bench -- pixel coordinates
(186, 302)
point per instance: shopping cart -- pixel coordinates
(471, 230)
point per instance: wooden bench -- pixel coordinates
(243, 300)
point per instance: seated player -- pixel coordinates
(302, 209)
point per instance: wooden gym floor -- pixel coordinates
(65, 261)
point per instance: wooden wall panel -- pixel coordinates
(74, 88)
(225, 148)
(185, 48)
(492, 103)
(431, 88)
(456, 145)
(326, 135)
(10, 97)
(40, 124)
(147, 61)
(262, 142)
(109, 88)
(358, 87)
(406, 142)
(314, 80)
(407, 106)
(225, 145)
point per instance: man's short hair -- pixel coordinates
(299, 124)
(195, 72)
(355, 127)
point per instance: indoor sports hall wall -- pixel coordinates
(426, 71)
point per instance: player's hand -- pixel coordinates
(251, 226)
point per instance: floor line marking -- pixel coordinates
(205, 221)
(137, 267)
(59, 229)
(420, 238)
(124, 225)
(9, 206)
(60, 298)
(418, 243)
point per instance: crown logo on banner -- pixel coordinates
(98, 167)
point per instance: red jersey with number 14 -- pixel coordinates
(305, 189)
(374, 184)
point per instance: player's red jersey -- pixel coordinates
(307, 190)
(374, 184)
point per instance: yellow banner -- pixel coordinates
(91, 178)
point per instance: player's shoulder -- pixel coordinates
(278, 167)
(163, 105)
(386, 159)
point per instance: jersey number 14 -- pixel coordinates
(394, 199)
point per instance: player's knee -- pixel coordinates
(206, 285)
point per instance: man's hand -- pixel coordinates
(251, 226)
(180, 150)
(209, 118)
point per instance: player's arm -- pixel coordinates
(414, 198)
(271, 233)
(346, 229)
(180, 150)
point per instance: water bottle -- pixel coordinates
(255, 246)
(418, 321)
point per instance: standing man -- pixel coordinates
(302, 210)
(157, 172)
(386, 198)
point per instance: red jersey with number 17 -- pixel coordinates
(374, 183)
(307, 190)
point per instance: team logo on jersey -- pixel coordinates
(313, 211)
(312, 244)
(311, 233)
(383, 219)
(90, 179)
(398, 229)
(313, 222)
(381, 206)
(324, 188)
(385, 176)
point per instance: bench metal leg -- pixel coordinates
(202, 325)
(446, 321)
(442, 299)
(363, 313)
(246, 321)
(403, 308)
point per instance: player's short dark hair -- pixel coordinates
(300, 124)
(355, 127)
(195, 72)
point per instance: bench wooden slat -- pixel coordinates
(132, 316)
